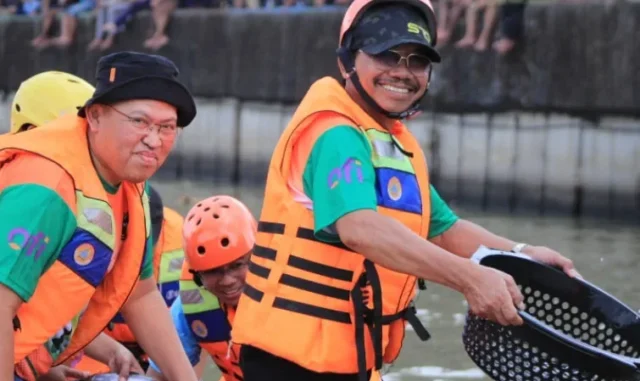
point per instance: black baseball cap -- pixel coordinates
(125, 76)
(388, 25)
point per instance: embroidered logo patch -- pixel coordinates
(199, 328)
(394, 189)
(84, 254)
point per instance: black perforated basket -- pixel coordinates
(572, 329)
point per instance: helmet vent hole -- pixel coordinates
(215, 199)
(190, 217)
(199, 220)
(224, 242)
(72, 81)
(201, 250)
(207, 209)
(199, 205)
(216, 216)
(18, 109)
(225, 206)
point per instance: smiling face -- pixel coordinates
(395, 79)
(227, 282)
(131, 140)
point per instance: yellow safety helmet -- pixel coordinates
(47, 96)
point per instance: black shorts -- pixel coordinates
(258, 365)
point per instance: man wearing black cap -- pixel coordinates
(348, 205)
(76, 223)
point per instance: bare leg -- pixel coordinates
(110, 30)
(457, 7)
(471, 20)
(69, 24)
(42, 40)
(100, 24)
(161, 12)
(490, 13)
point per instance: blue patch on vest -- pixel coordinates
(398, 190)
(86, 256)
(169, 291)
(215, 324)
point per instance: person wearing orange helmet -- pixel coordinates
(218, 237)
(350, 222)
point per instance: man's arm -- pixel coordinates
(37, 221)
(347, 210)
(146, 314)
(188, 341)
(463, 237)
(10, 303)
(103, 348)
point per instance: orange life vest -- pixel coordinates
(319, 299)
(46, 332)
(211, 324)
(168, 257)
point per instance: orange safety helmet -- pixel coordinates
(217, 231)
(359, 7)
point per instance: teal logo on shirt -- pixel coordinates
(344, 171)
(31, 245)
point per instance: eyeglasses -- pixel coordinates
(230, 268)
(143, 126)
(416, 63)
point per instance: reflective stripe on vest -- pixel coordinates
(169, 275)
(211, 327)
(330, 294)
(77, 281)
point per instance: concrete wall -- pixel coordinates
(520, 162)
(581, 58)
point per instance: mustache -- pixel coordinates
(404, 82)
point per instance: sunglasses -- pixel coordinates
(418, 64)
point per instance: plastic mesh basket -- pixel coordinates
(572, 330)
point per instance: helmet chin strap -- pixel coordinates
(346, 57)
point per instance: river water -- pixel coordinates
(605, 254)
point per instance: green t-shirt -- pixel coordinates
(36, 211)
(346, 150)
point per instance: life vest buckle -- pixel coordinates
(411, 315)
(16, 324)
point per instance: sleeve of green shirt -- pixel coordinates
(442, 217)
(147, 266)
(339, 178)
(36, 223)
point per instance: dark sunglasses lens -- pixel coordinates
(419, 63)
(388, 58)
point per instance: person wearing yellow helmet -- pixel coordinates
(46, 96)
